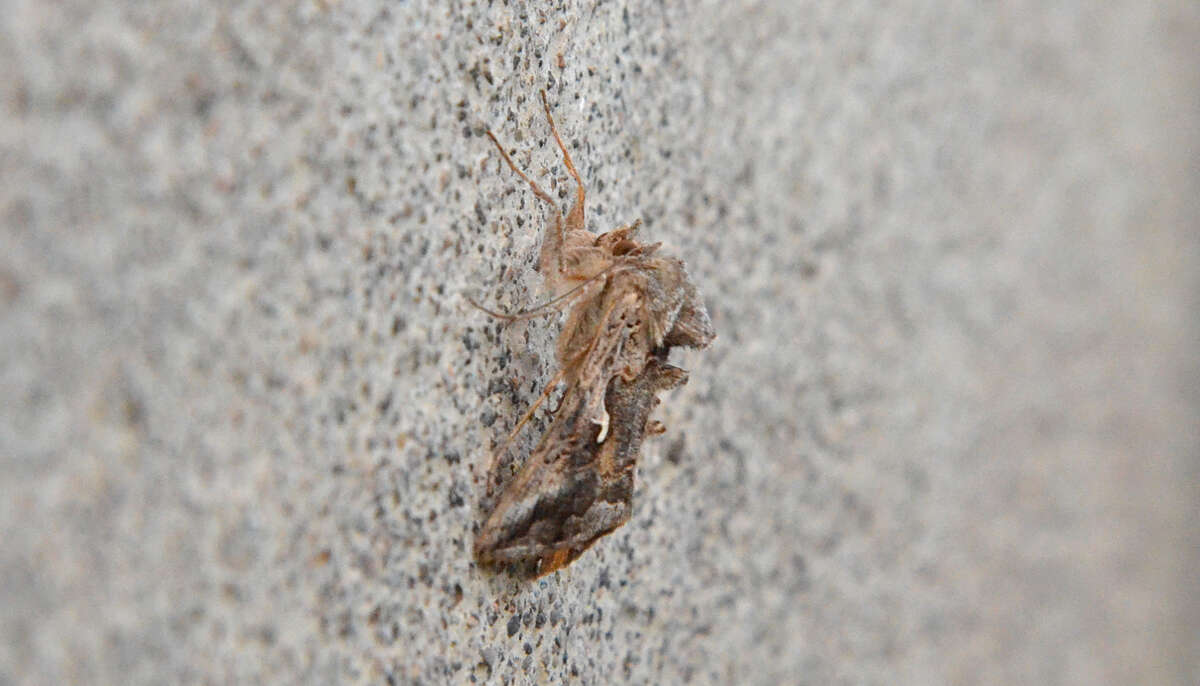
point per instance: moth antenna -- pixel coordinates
(537, 190)
(575, 216)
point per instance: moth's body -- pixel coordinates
(628, 306)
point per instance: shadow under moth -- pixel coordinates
(628, 306)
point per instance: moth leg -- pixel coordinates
(575, 216)
(525, 418)
(551, 306)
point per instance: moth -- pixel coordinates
(628, 306)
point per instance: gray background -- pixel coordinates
(948, 433)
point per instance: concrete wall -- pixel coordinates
(948, 433)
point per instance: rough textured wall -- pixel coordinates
(948, 434)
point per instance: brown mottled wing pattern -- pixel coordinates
(573, 490)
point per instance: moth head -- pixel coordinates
(621, 241)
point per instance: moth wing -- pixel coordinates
(573, 490)
(615, 463)
(677, 316)
(549, 498)
(692, 328)
(554, 514)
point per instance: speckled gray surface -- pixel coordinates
(948, 433)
